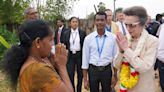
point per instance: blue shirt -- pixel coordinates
(90, 50)
(108, 28)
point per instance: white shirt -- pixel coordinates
(60, 29)
(120, 27)
(160, 54)
(74, 40)
(159, 29)
(90, 50)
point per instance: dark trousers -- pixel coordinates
(100, 76)
(74, 64)
(161, 74)
(156, 64)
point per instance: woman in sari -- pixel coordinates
(28, 63)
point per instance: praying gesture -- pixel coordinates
(60, 56)
(122, 41)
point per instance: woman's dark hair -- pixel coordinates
(138, 11)
(15, 57)
(73, 18)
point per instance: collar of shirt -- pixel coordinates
(158, 22)
(60, 28)
(74, 31)
(108, 26)
(105, 34)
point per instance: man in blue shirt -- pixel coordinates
(99, 50)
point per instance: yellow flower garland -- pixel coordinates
(128, 78)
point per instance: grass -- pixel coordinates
(4, 83)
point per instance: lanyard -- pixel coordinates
(102, 46)
(73, 38)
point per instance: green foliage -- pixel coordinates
(119, 10)
(91, 16)
(163, 13)
(11, 11)
(3, 42)
(55, 9)
(11, 39)
(101, 6)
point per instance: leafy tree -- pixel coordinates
(11, 11)
(91, 16)
(7, 39)
(101, 6)
(163, 14)
(53, 9)
(4, 42)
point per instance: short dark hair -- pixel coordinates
(73, 18)
(138, 11)
(100, 13)
(158, 16)
(62, 20)
(119, 10)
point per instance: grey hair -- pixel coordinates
(138, 11)
(27, 10)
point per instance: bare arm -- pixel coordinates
(60, 61)
(86, 80)
(65, 85)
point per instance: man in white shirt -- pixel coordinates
(99, 50)
(160, 56)
(120, 16)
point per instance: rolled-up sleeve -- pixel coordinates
(160, 54)
(85, 56)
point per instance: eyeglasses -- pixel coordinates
(32, 13)
(132, 25)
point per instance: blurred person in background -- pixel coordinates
(73, 38)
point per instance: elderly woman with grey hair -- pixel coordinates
(137, 54)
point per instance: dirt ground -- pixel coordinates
(4, 85)
(156, 79)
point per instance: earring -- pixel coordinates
(38, 47)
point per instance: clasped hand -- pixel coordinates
(60, 56)
(122, 41)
